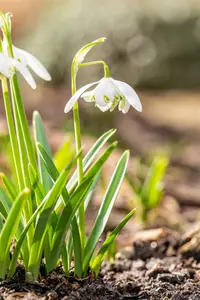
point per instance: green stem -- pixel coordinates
(12, 133)
(26, 152)
(96, 62)
(78, 138)
(79, 159)
(23, 121)
(21, 110)
(24, 163)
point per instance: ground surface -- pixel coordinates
(164, 265)
(154, 268)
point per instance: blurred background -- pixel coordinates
(154, 45)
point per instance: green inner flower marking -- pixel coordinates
(114, 102)
(122, 102)
(92, 99)
(106, 99)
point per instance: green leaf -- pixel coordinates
(3, 211)
(9, 186)
(53, 172)
(96, 264)
(40, 137)
(10, 228)
(64, 154)
(90, 192)
(97, 165)
(39, 192)
(65, 220)
(153, 187)
(105, 209)
(43, 219)
(5, 200)
(90, 156)
(37, 186)
(49, 200)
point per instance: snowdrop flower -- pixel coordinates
(8, 66)
(107, 95)
(28, 60)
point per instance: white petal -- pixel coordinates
(34, 64)
(125, 107)
(87, 95)
(6, 65)
(129, 94)
(104, 89)
(19, 55)
(25, 73)
(75, 97)
(104, 108)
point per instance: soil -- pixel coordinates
(156, 267)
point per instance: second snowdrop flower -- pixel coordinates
(107, 95)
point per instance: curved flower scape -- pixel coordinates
(107, 95)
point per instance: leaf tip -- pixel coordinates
(26, 190)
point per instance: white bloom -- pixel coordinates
(29, 60)
(8, 66)
(108, 94)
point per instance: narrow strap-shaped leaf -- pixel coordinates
(65, 261)
(53, 172)
(66, 218)
(43, 219)
(91, 155)
(90, 192)
(152, 189)
(9, 186)
(78, 259)
(10, 228)
(5, 200)
(97, 165)
(40, 193)
(52, 195)
(37, 186)
(40, 137)
(64, 154)
(69, 246)
(96, 264)
(3, 211)
(105, 209)
(48, 162)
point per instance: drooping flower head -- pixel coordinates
(14, 59)
(107, 95)
(28, 60)
(9, 65)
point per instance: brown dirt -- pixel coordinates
(152, 269)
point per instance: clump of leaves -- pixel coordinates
(148, 189)
(43, 202)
